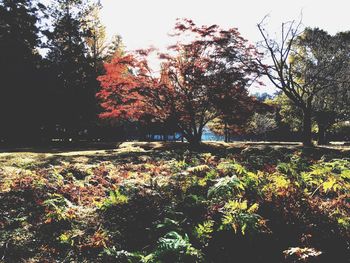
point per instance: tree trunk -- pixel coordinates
(194, 139)
(226, 132)
(307, 134)
(324, 120)
(321, 136)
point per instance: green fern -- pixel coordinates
(226, 187)
(115, 198)
(204, 231)
(174, 247)
(241, 217)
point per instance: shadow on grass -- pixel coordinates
(62, 147)
(139, 152)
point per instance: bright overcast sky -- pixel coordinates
(142, 23)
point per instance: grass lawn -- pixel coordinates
(163, 202)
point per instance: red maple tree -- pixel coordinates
(203, 77)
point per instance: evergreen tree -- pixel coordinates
(19, 63)
(115, 47)
(95, 36)
(70, 63)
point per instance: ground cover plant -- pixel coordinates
(86, 85)
(161, 202)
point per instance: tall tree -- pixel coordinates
(200, 79)
(324, 58)
(115, 48)
(70, 62)
(95, 36)
(332, 103)
(331, 107)
(19, 62)
(303, 65)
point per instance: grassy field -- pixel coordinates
(162, 202)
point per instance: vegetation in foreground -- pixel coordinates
(147, 202)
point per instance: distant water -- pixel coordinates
(208, 135)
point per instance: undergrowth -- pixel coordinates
(178, 206)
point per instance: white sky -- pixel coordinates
(142, 23)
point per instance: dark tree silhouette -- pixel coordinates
(73, 103)
(20, 90)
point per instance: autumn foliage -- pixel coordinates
(203, 76)
(160, 202)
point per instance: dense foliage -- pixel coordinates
(52, 52)
(201, 79)
(158, 203)
(169, 202)
(19, 62)
(311, 68)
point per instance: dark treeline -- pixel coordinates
(52, 53)
(50, 57)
